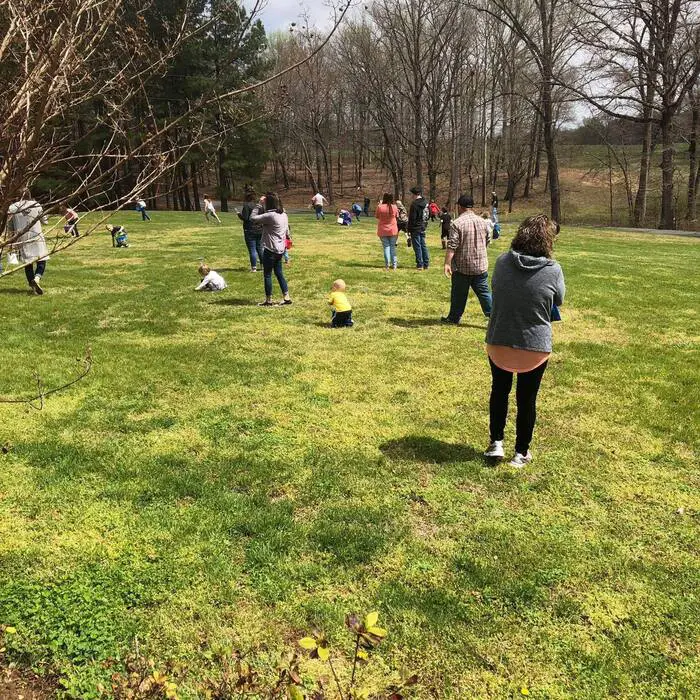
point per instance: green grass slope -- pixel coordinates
(232, 476)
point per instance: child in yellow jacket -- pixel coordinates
(341, 314)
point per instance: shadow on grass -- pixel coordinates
(420, 448)
(234, 302)
(421, 322)
(233, 269)
(15, 290)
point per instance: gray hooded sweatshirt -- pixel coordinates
(524, 290)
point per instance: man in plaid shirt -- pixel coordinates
(466, 263)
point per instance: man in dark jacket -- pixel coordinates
(417, 223)
(252, 233)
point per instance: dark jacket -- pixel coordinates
(250, 229)
(416, 221)
(446, 219)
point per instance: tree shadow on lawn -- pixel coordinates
(16, 290)
(421, 322)
(421, 448)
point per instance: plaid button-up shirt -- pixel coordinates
(469, 236)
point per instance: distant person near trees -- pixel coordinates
(387, 229)
(402, 220)
(275, 226)
(527, 287)
(445, 220)
(318, 201)
(141, 206)
(71, 226)
(252, 232)
(494, 207)
(466, 262)
(417, 223)
(25, 218)
(433, 211)
(367, 202)
(209, 209)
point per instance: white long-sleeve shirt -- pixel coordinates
(214, 280)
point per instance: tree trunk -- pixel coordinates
(693, 173)
(195, 184)
(223, 185)
(667, 218)
(549, 145)
(640, 200)
(534, 147)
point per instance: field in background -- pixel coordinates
(229, 477)
(584, 184)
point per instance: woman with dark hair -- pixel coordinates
(388, 230)
(252, 233)
(526, 285)
(275, 227)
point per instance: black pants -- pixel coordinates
(341, 319)
(30, 272)
(526, 401)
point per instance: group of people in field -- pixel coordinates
(520, 304)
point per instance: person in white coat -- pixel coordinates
(26, 237)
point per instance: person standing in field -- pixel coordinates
(25, 218)
(417, 223)
(209, 209)
(252, 232)
(527, 286)
(318, 201)
(71, 226)
(494, 207)
(141, 206)
(367, 202)
(275, 226)
(445, 221)
(387, 229)
(466, 262)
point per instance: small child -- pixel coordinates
(72, 218)
(344, 218)
(445, 220)
(119, 236)
(288, 243)
(211, 281)
(357, 210)
(341, 315)
(209, 209)
(489, 225)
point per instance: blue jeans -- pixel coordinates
(144, 215)
(421, 250)
(494, 214)
(255, 251)
(30, 271)
(319, 213)
(460, 291)
(273, 262)
(389, 245)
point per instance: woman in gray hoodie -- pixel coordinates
(526, 285)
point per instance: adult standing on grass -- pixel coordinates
(494, 207)
(417, 223)
(318, 201)
(527, 284)
(25, 218)
(275, 227)
(388, 230)
(141, 206)
(466, 261)
(252, 232)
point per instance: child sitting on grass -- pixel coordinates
(211, 281)
(119, 237)
(341, 315)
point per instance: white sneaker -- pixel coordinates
(519, 461)
(495, 449)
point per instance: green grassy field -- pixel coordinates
(230, 477)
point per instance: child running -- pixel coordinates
(209, 209)
(211, 281)
(119, 236)
(341, 314)
(72, 218)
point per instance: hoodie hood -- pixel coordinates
(529, 263)
(421, 202)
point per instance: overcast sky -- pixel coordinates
(280, 13)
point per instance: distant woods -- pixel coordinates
(101, 104)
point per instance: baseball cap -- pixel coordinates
(416, 190)
(466, 202)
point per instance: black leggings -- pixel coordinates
(526, 399)
(30, 272)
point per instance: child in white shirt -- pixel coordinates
(209, 209)
(211, 281)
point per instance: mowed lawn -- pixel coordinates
(230, 477)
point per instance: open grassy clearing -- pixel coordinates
(230, 476)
